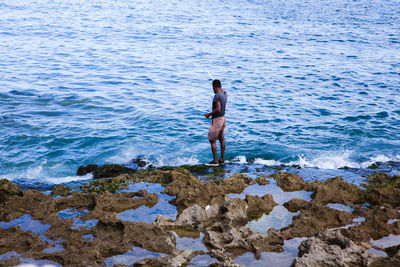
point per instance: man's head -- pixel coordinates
(216, 85)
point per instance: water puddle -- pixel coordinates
(278, 194)
(56, 248)
(134, 255)
(88, 236)
(278, 218)
(9, 255)
(391, 221)
(28, 262)
(26, 223)
(385, 242)
(183, 243)
(377, 252)
(146, 214)
(271, 258)
(72, 213)
(202, 260)
(340, 207)
(356, 222)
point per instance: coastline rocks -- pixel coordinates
(336, 190)
(236, 183)
(295, 204)
(82, 170)
(314, 217)
(111, 170)
(8, 189)
(331, 248)
(262, 180)
(379, 179)
(289, 181)
(257, 206)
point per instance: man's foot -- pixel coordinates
(212, 164)
(221, 162)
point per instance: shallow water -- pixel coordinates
(309, 82)
(273, 259)
(134, 255)
(27, 224)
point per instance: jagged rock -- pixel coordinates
(295, 204)
(111, 170)
(236, 183)
(8, 189)
(262, 180)
(336, 190)
(82, 170)
(61, 190)
(182, 258)
(257, 206)
(289, 181)
(315, 217)
(331, 248)
(379, 179)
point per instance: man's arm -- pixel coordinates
(215, 111)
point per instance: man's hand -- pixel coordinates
(207, 115)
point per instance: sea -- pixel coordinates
(312, 84)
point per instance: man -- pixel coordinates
(217, 126)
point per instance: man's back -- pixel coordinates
(222, 97)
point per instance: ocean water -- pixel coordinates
(314, 83)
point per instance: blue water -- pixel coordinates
(312, 82)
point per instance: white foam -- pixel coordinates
(167, 161)
(127, 153)
(379, 158)
(240, 160)
(267, 162)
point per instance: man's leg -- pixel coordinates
(214, 150)
(222, 142)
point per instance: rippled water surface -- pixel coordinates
(314, 82)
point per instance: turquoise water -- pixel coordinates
(314, 83)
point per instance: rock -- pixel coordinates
(289, 181)
(331, 248)
(336, 190)
(82, 170)
(295, 204)
(262, 180)
(111, 170)
(236, 183)
(379, 179)
(182, 258)
(61, 190)
(257, 206)
(14, 239)
(8, 189)
(315, 217)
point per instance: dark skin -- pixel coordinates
(220, 139)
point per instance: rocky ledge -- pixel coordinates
(205, 208)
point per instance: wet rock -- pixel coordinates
(257, 206)
(331, 248)
(236, 183)
(373, 166)
(295, 204)
(14, 239)
(61, 190)
(262, 181)
(107, 185)
(336, 190)
(376, 196)
(182, 258)
(289, 181)
(379, 179)
(8, 189)
(111, 170)
(82, 170)
(375, 225)
(315, 217)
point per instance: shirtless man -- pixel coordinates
(217, 126)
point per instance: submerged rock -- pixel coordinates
(331, 248)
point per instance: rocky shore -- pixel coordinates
(341, 225)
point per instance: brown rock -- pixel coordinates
(289, 181)
(295, 204)
(8, 189)
(379, 179)
(257, 206)
(236, 183)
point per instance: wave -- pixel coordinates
(330, 161)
